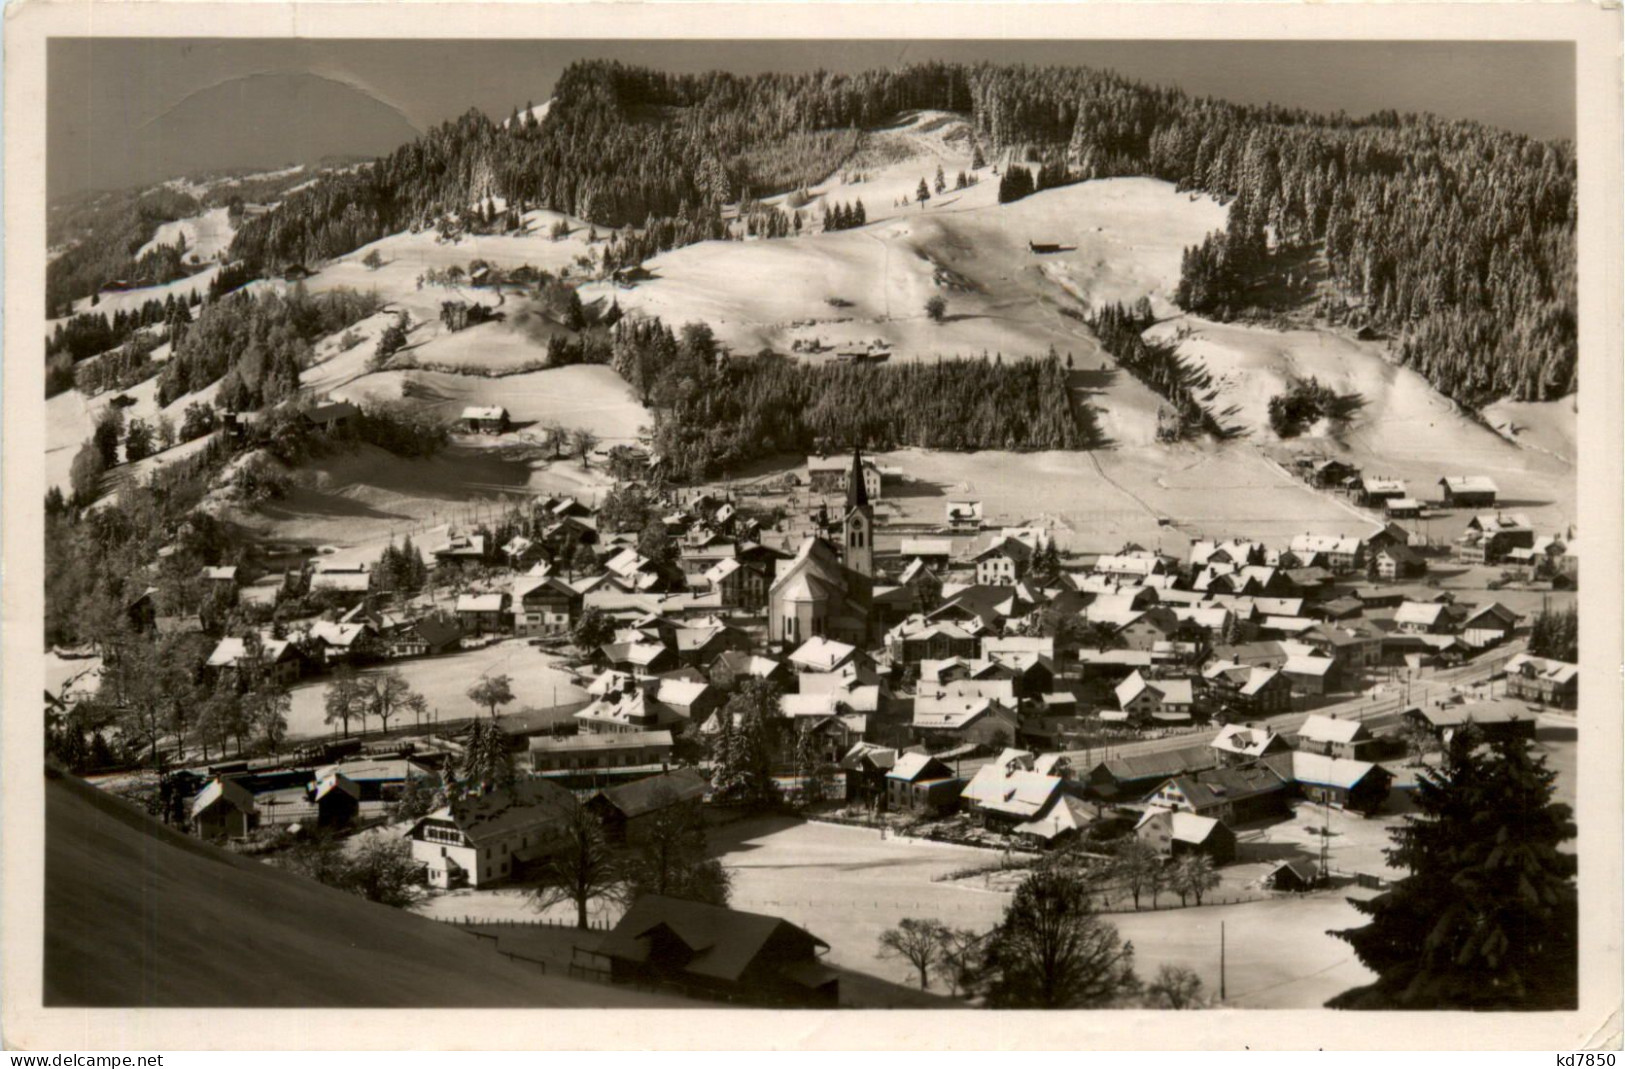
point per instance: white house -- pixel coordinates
(478, 841)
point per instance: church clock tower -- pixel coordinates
(858, 534)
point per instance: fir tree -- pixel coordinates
(487, 764)
(1487, 918)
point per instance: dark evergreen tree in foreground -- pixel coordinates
(1487, 918)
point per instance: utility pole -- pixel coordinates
(1325, 836)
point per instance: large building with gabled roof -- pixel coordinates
(718, 954)
(482, 839)
(817, 595)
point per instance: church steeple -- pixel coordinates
(857, 493)
(858, 534)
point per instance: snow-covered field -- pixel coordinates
(583, 395)
(1104, 498)
(138, 914)
(359, 501)
(70, 417)
(847, 885)
(1545, 426)
(1405, 428)
(206, 235)
(1124, 238)
(444, 681)
(132, 300)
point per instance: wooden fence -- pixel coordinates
(510, 955)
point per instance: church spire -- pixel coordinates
(857, 493)
(858, 541)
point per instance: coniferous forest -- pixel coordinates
(1457, 239)
(714, 411)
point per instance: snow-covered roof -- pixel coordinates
(1066, 815)
(230, 650)
(1425, 613)
(1320, 770)
(1185, 827)
(909, 766)
(821, 654)
(1543, 667)
(800, 705)
(1321, 728)
(948, 711)
(226, 790)
(1131, 688)
(1310, 543)
(1243, 740)
(1128, 564)
(722, 570)
(1304, 665)
(682, 693)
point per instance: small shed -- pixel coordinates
(920, 782)
(224, 808)
(332, 414)
(485, 419)
(338, 800)
(1294, 876)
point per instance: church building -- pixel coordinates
(827, 589)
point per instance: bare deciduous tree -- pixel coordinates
(585, 870)
(916, 941)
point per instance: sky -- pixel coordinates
(123, 112)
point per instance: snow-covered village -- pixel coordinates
(956, 535)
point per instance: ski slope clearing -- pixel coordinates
(361, 500)
(582, 395)
(1546, 426)
(1120, 239)
(137, 914)
(1404, 428)
(539, 112)
(891, 161)
(206, 235)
